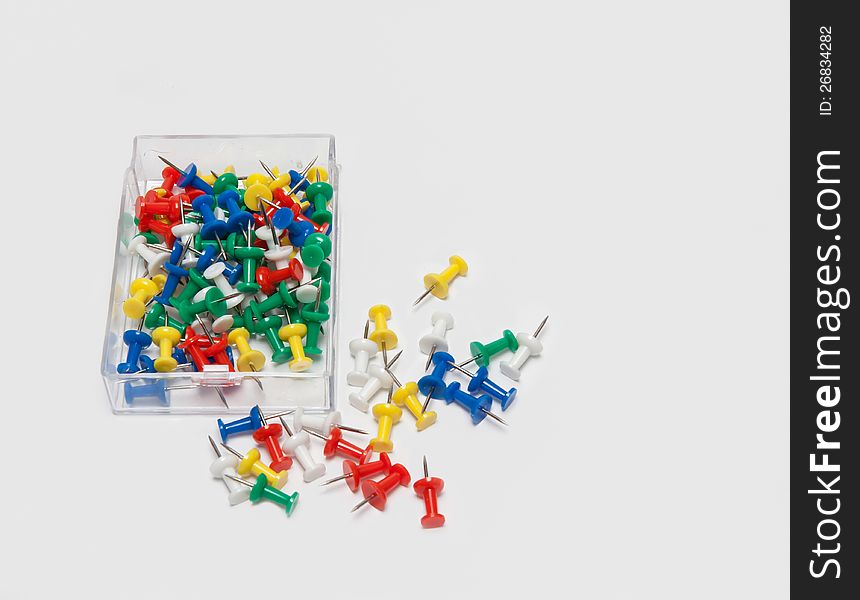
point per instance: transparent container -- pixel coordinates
(314, 390)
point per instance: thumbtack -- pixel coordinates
(429, 488)
(437, 283)
(481, 382)
(382, 335)
(378, 380)
(335, 444)
(478, 407)
(354, 472)
(428, 344)
(223, 466)
(376, 492)
(298, 444)
(322, 423)
(189, 177)
(260, 490)
(529, 346)
(252, 464)
(362, 349)
(482, 353)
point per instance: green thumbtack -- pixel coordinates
(316, 249)
(249, 255)
(233, 241)
(155, 318)
(320, 193)
(314, 315)
(268, 326)
(262, 490)
(324, 271)
(482, 353)
(210, 302)
(195, 283)
(224, 182)
(279, 299)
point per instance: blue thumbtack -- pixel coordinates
(156, 388)
(188, 177)
(480, 382)
(175, 273)
(137, 340)
(433, 385)
(478, 406)
(298, 231)
(238, 219)
(213, 227)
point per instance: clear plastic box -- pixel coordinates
(313, 390)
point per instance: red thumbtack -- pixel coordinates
(268, 435)
(354, 472)
(376, 492)
(335, 444)
(430, 488)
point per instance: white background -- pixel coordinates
(621, 167)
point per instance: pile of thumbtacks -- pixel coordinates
(212, 239)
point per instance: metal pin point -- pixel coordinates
(384, 354)
(214, 446)
(315, 433)
(424, 295)
(542, 323)
(228, 297)
(268, 170)
(430, 357)
(275, 236)
(496, 417)
(339, 478)
(285, 426)
(396, 381)
(234, 452)
(363, 502)
(429, 397)
(462, 370)
(426, 474)
(221, 395)
(366, 328)
(473, 359)
(239, 480)
(352, 429)
(256, 379)
(319, 297)
(393, 360)
(171, 165)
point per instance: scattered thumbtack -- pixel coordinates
(435, 340)
(437, 283)
(529, 346)
(261, 490)
(430, 488)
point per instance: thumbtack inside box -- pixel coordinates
(206, 391)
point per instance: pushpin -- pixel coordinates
(387, 414)
(208, 299)
(151, 389)
(175, 273)
(169, 177)
(166, 337)
(268, 326)
(136, 340)
(253, 421)
(260, 490)
(376, 492)
(314, 316)
(382, 335)
(250, 257)
(482, 353)
(292, 333)
(362, 349)
(435, 340)
(249, 359)
(142, 290)
(251, 463)
(379, 379)
(437, 283)
(321, 423)
(433, 385)
(215, 273)
(529, 346)
(319, 194)
(335, 444)
(408, 395)
(353, 472)
(189, 177)
(268, 435)
(429, 488)
(478, 406)
(220, 468)
(481, 382)
(154, 260)
(298, 444)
